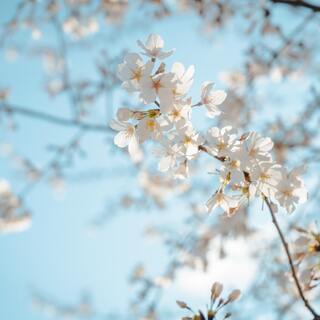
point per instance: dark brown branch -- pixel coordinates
(297, 4)
(293, 270)
(10, 109)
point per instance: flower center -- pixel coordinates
(287, 193)
(137, 75)
(157, 85)
(175, 114)
(221, 145)
(253, 152)
(187, 140)
(151, 125)
(234, 164)
(314, 247)
(264, 177)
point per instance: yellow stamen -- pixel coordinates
(151, 125)
(137, 74)
(264, 177)
(187, 140)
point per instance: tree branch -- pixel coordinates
(298, 3)
(293, 270)
(10, 109)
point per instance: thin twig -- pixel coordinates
(54, 119)
(293, 270)
(292, 36)
(47, 168)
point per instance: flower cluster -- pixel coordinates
(248, 171)
(307, 257)
(216, 304)
(13, 217)
(78, 27)
(82, 22)
(246, 166)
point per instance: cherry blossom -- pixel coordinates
(180, 113)
(220, 199)
(290, 190)
(185, 79)
(160, 85)
(169, 155)
(132, 70)
(257, 148)
(221, 142)
(190, 140)
(153, 47)
(127, 137)
(212, 98)
(148, 128)
(266, 176)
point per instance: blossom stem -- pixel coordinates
(205, 149)
(289, 256)
(196, 105)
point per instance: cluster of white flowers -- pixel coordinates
(80, 27)
(247, 169)
(306, 256)
(11, 217)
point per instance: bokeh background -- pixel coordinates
(82, 244)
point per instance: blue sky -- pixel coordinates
(58, 256)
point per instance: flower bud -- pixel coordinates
(182, 304)
(216, 290)
(234, 295)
